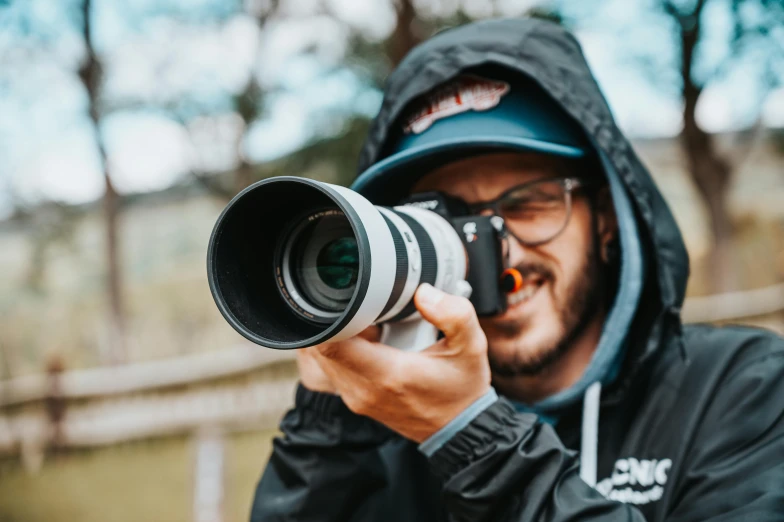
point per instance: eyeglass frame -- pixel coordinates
(569, 183)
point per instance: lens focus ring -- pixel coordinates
(429, 260)
(401, 267)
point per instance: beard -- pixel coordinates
(582, 301)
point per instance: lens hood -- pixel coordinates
(245, 276)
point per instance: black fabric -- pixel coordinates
(693, 429)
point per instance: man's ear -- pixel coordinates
(606, 222)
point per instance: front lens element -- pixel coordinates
(320, 265)
(338, 263)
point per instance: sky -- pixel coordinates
(173, 65)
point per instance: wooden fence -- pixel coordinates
(243, 387)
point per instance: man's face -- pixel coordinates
(564, 278)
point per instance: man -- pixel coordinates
(587, 399)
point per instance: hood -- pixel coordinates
(551, 57)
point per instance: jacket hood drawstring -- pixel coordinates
(589, 440)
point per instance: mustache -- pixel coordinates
(533, 268)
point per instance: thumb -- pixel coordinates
(453, 315)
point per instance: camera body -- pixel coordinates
(483, 238)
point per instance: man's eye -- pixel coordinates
(530, 203)
(516, 206)
(519, 210)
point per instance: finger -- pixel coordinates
(360, 356)
(304, 354)
(453, 315)
(311, 374)
(371, 333)
(307, 357)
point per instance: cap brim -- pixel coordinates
(390, 180)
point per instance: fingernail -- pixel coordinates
(428, 295)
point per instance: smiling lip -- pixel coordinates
(518, 299)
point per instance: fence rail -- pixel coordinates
(238, 388)
(735, 306)
(141, 377)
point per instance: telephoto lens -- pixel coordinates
(294, 262)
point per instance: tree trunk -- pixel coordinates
(117, 350)
(404, 37)
(248, 105)
(243, 176)
(90, 74)
(711, 175)
(709, 171)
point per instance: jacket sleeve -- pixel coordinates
(734, 469)
(507, 466)
(326, 465)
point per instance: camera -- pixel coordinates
(293, 262)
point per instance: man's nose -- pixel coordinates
(517, 252)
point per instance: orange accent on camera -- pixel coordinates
(512, 275)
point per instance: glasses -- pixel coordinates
(535, 212)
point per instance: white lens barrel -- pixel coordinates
(266, 287)
(420, 231)
(382, 263)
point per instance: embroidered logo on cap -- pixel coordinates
(461, 95)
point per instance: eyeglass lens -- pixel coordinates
(538, 212)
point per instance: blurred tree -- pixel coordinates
(405, 35)
(90, 74)
(51, 223)
(755, 38)
(371, 61)
(332, 158)
(249, 102)
(755, 23)
(249, 105)
(546, 12)
(333, 155)
(47, 224)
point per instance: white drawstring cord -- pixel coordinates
(589, 443)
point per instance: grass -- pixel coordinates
(128, 483)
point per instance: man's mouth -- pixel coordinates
(525, 293)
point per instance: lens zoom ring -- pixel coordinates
(401, 267)
(429, 260)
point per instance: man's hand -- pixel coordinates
(312, 376)
(415, 394)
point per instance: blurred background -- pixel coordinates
(126, 126)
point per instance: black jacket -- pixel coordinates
(693, 428)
